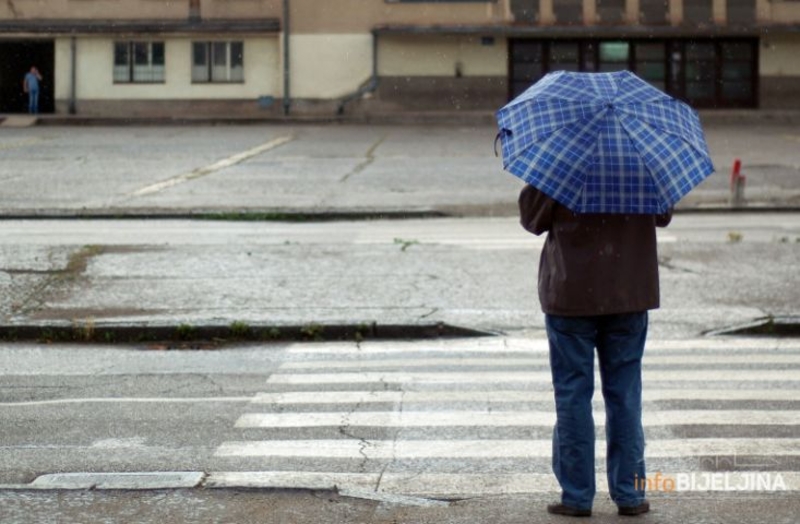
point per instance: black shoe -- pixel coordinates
(632, 511)
(569, 511)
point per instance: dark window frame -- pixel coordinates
(132, 53)
(674, 63)
(212, 59)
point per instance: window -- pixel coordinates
(614, 56)
(138, 62)
(564, 56)
(701, 71)
(525, 11)
(611, 11)
(741, 11)
(710, 72)
(568, 12)
(217, 62)
(651, 62)
(654, 12)
(699, 12)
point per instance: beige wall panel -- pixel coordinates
(785, 12)
(75, 9)
(241, 8)
(95, 81)
(326, 16)
(778, 56)
(763, 10)
(546, 12)
(440, 56)
(720, 11)
(590, 11)
(63, 68)
(329, 66)
(676, 12)
(632, 9)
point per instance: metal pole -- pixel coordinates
(287, 96)
(73, 76)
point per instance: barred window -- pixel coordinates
(217, 62)
(138, 62)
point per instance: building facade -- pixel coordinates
(273, 57)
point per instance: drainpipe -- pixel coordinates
(73, 81)
(287, 96)
(371, 86)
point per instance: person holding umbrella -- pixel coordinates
(605, 157)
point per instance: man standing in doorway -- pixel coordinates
(31, 86)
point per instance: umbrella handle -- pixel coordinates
(499, 135)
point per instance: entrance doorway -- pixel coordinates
(16, 59)
(706, 73)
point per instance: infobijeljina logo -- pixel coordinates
(712, 481)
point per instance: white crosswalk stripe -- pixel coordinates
(467, 417)
(385, 449)
(405, 377)
(500, 396)
(491, 418)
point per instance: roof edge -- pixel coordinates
(140, 26)
(638, 31)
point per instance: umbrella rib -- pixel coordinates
(660, 128)
(658, 187)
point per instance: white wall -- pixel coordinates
(95, 60)
(778, 55)
(329, 66)
(63, 68)
(439, 56)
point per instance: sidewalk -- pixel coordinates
(305, 507)
(477, 273)
(272, 257)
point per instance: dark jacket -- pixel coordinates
(593, 264)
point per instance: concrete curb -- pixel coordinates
(305, 215)
(461, 118)
(241, 214)
(109, 481)
(478, 118)
(180, 336)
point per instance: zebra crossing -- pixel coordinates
(457, 418)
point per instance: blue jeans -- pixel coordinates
(33, 101)
(619, 340)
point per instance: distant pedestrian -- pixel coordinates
(31, 86)
(598, 277)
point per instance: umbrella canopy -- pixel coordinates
(604, 143)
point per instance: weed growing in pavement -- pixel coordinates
(84, 329)
(273, 334)
(184, 332)
(240, 329)
(405, 244)
(46, 336)
(734, 237)
(312, 332)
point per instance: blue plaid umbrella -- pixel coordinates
(604, 143)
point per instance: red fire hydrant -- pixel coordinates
(737, 185)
